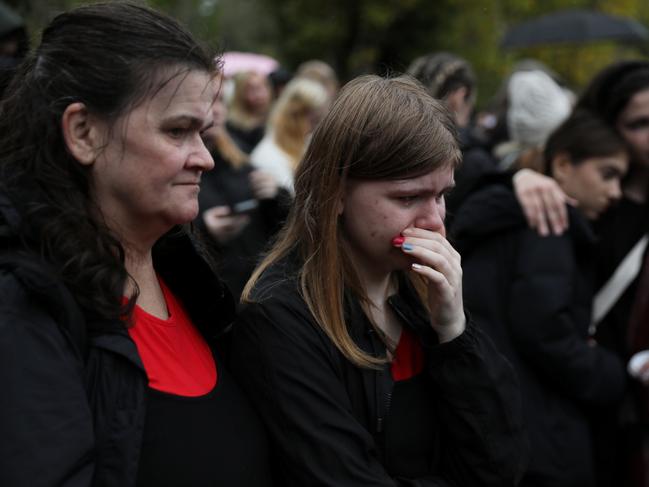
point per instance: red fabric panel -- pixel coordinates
(408, 357)
(176, 357)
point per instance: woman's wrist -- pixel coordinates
(450, 332)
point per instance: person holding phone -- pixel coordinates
(353, 341)
(241, 207)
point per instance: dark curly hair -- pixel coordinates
(110, 57)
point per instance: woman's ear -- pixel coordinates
(561, 167)
(82, 133)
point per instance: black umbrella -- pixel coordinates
(574, 26)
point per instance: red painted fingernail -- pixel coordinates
(397, 241)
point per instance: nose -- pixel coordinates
(200, 158)
(615, 190)
(431, 216)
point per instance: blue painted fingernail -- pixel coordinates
(407, 247)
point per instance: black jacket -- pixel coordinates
(333, 423)
(73, 403)
(226, 185)
(533, 296)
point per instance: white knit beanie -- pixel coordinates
(537, 105)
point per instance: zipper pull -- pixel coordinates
(379, 425)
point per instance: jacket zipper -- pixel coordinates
(381, 420)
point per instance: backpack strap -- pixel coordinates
(625, 273)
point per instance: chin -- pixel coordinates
(184, 215)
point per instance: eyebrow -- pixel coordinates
(420, 187)
(445, 191)
(194, 122)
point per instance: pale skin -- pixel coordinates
(373, 213)
(146, 172)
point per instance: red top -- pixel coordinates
(408, 357)
(176, 357)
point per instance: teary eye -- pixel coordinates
(443, 195)
(177, 132)
(407, 199)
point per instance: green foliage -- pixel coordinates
(359, 36)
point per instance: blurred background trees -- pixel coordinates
(360, 36)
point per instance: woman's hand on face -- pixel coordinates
(264, 186)
(222, 225)
(543, 202)
(440, 265)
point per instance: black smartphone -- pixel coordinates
(242, 207)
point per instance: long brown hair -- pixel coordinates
(377, 129)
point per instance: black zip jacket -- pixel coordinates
(73, 404)
(533, 296)
(334, 424)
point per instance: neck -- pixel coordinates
(139, 264)
(378, 289)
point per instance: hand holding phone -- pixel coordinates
(243, 207)
(222, 225)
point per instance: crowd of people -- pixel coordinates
(268, 279)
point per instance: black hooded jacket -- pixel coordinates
(533, 296)
(333, 423)
(73, 405)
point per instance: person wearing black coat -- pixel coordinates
(451, 79)
(113, 343)
(334, 423)
(352, 340)
(94, 384)
(533, 295)
(240, 208)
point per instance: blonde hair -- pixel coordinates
(321, 72)
(377, 129)
(290, 122)
(238, 112)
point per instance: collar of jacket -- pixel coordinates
(179, 259)
(406, 305)
(186, 269)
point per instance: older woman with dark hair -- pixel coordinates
(111, 321)
(353, 340)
